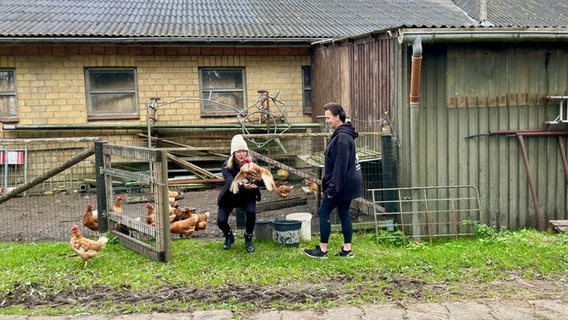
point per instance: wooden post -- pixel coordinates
(101, 186)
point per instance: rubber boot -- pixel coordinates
(248, 243)
(229, 240)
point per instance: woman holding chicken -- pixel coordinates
(341, 182)
(246, 197)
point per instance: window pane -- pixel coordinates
(7, 81)
(307, 75)
(228, 102)
(8, 105)
(111, 80)
(222, 79)
(113, 103)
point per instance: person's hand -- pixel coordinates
(247, 184)
(250, 185)
(254, 176)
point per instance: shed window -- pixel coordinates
(112, 93)
(222, 91)
(8, 101)
(307, 90)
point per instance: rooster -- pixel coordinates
(90, 219)
(151, 215)
(83, 247)
(186, 226)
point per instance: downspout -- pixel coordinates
(414, 105)
(414, 113)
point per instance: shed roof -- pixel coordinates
(210, 20)
(518, 13)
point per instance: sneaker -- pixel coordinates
(345, 254)
(316, 253)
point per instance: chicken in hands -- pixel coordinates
(250, 169)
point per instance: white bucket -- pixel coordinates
(306, 229)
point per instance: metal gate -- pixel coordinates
(417, 212)
(144, 170)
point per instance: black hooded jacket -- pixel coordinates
(342, 178)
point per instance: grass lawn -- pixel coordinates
(45, 279)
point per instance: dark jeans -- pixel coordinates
(327, 206)
(250, 217)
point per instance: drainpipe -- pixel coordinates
(414, 111)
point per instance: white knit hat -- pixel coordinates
(238, 143)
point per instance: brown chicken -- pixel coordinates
(90, 219)
(83, 247)
(151, 215)
(117, 208)
(186, 226)
(175, 213)
(283, 191)
(201, 221)
(312, 185)
(117, 205)
(249, 168)
(173, 195)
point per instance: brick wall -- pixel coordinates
(51, 86)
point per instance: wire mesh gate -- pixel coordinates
(146, 170)
(437, 211)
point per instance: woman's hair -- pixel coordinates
(232, 160)
(336, 109)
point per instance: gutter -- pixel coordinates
(204, 41)
(227, 126)
(482, 35)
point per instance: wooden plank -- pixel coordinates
(558, 225)
(279, 204)
(198, 171)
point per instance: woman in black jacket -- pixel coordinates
(341, 182)
(246, 198)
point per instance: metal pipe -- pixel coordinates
(563, 156)
(216, 126)
(414, 114)
(531, 181)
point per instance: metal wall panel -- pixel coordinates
(457, 103)
(467, 90)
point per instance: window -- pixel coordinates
(112, 93)
(225, 86)
(8, 102)
(307, 90)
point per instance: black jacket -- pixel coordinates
(227, 198)
(342, 178)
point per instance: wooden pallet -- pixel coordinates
(558, 225)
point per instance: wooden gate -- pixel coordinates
(147, 170)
